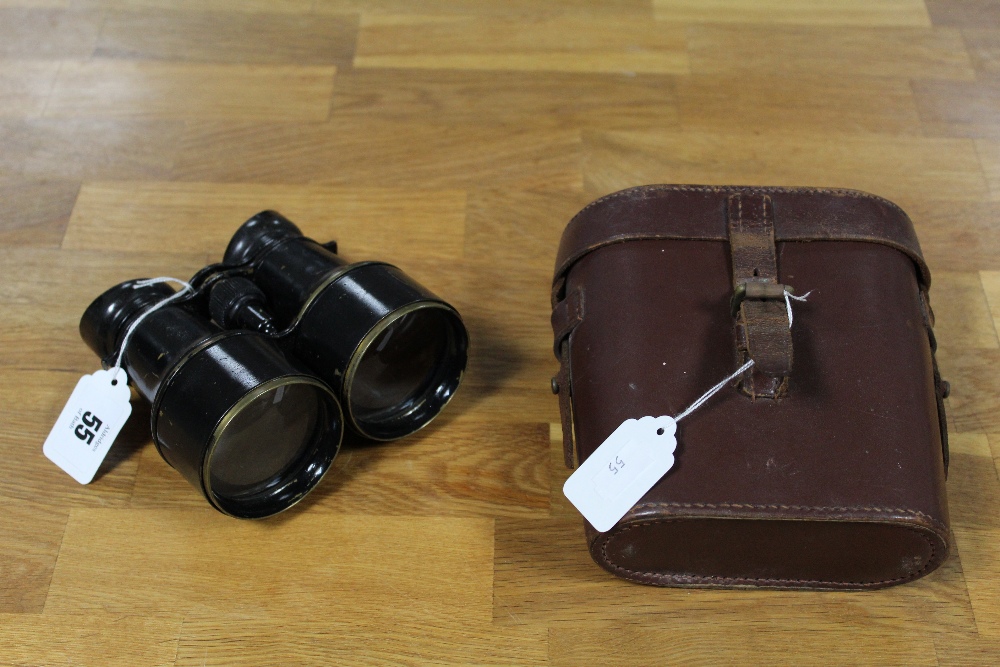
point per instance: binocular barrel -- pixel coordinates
(392, 350)
(247, 375)
(239, 421)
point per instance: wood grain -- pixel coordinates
(455, 139)
(894, 166)
(209, 639)
(538, 99)
(25, 86)
(35, 212)
(797, 102)
(989, 158)
(354, 150)
(435, 569)
(27, 32)
(96, 148)
(899, 52)
(612, 45)
(984, 48)
(110, 89)
(147, 217)
(228, 37)
(964, 313)
(859, 13)
(977, 116)
(701, 644)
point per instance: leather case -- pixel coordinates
(823, 466)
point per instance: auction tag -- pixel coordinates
(620, 472)
(95, 413)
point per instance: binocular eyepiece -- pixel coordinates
(253, 375)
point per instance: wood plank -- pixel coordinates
(442, 10)
(32, 535)
(893, 167)
(189, 6)
(365, 151)
(544, 574)
(984, 49)
(48, 33)
(954, 234)
(202, 217)
(991, 288)
(430, 569)
(564, 44)
(897, 52)
(989, 157)
(973, 484)
(546, 99)
(149, 89)
(484, 469)
(810, 12)
(974, 404)
(973, 444)
(303, 640)
(797, 102)
(699, 643)
(964, 13)
(76, 149)
(35, 212)
(95, 638)
(25, 86)
(222, 37)
(977, 116)
(963, 651)
(962, 312)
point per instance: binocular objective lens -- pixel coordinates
(407, 373)
(271, 442)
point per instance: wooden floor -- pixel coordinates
(456, 139)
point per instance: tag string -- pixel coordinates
(788, 303)
(185, 288)
(713, 391)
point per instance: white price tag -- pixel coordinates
(95, 413)
(620, 472)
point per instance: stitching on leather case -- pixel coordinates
(801, 508)
(736, 580)
(857, 194)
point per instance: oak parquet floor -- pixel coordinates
(456, 139)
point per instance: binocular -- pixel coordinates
(253, 374)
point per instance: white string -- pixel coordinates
(714, 390)
(185, 288)
(739, 371)
(788, 303)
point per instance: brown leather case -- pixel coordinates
(822, 469)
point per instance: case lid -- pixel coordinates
(698, 212)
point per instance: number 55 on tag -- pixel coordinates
(620, 472)
(96, 411)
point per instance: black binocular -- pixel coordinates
(254, 372)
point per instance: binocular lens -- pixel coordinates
(273, 439)
(406, 374)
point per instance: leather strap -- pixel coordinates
(762, 332)
(561, 384)
(566, 315)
